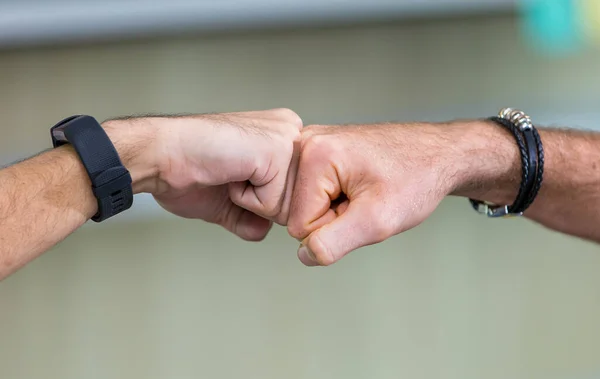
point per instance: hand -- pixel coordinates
(359, 185)
(231, 169)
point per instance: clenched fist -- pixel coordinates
(232, 169)
(359, 185)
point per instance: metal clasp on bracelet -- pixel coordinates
(495, 211)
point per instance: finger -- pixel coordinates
(252, 227)
(244, 195)
(305, 256)
(265, 200)
(246, 224)
(337, 209)
(266, 195)
(316, 185)
(361, 224)
(284, 213)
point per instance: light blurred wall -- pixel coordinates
(458, 297)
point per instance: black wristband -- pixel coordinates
(111, 181)
(529, 163)
(532, 164)
(508, 209)
(540, 171)
(533, 169)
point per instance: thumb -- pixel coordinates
(245, 224)
(362, 223)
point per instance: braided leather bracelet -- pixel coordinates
(532, 164)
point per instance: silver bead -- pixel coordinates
(517, 117)
(505, 113)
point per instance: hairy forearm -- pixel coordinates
(47, 197)
(42, 200)
(569, 199)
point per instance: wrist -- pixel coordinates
(136, 143)
(486, 160)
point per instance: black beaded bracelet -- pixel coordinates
(532, 164)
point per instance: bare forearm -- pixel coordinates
(42, 200)
(569, 199)
(47, 197)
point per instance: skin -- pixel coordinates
(358, 185)
(233, 169)
(337, 188)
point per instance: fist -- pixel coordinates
(233, 169)
(359, 185)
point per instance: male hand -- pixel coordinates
(359, 185)
(233, 169)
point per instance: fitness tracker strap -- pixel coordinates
(111, 181)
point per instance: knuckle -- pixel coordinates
(290, 139)
(317, 146)
(295, 229)
(310, 132)
(271, 203)
(298, 228)
(307, 133)
(296, 135)
(283, 156)
(289, 116)
(381, 228)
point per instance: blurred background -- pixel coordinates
(147, 295)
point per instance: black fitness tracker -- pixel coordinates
(111, 181)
